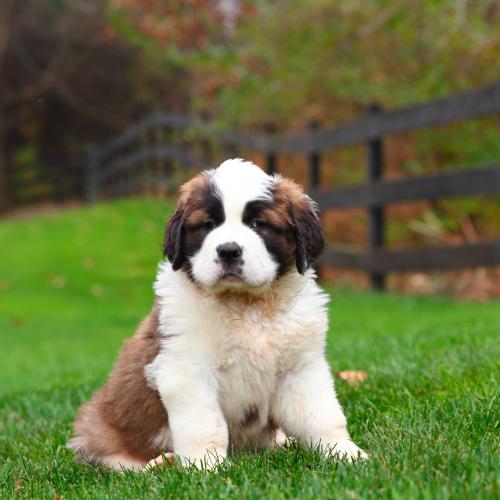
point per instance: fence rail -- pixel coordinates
(175, 121)
(468, 182)
(461, 106)
(148, 154)
(416, 259)
(144, 154)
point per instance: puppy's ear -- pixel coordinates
(173, 243)
(308, 231)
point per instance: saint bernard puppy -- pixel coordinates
(231, 356)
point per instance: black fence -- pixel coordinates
(150, 155)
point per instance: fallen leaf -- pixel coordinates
(4, 285)
(17, 321)
(58, 281)
(19, 485)
(353, 377)
(96, 290)
(88, 263)
(148, 226)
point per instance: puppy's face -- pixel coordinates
(236, 228)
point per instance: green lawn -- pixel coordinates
(75, 284)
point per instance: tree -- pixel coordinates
(294, 60)
(66, 78)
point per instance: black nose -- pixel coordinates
(229, 252)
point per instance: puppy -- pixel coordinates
(233, 348)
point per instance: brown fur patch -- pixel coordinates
(184, 235)
(196, 184)
(267, 303)
(125, 415)
(277, 215)
(250, 417)
(288, 191)
(272, 424)
(196, 216)
(304, 216)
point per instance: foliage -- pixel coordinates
(67, 79)
(295, 60)
(426, 414)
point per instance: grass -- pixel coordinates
(75, 284)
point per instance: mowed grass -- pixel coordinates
(75, 284)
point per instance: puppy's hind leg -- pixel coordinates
(117, 461)
(279, 439)
(160, 460)
(121, 462)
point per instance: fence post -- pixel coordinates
(314, 162)
(233, 151)
(207, 140)
(376, 221)
(91, 164)
(271, 164)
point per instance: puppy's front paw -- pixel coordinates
(345, 449)
(207, 460)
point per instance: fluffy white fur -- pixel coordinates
(220, 357)
(217, 360)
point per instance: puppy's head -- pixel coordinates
(237, 228)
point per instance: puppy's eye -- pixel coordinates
(258, 224)
(209, 224)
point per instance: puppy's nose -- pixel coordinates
(229, 252)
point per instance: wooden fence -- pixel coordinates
(143, 157)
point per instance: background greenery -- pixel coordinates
(74, 284)
(80, 71)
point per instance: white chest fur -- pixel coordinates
(242, 345)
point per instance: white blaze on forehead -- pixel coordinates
(239, 182)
